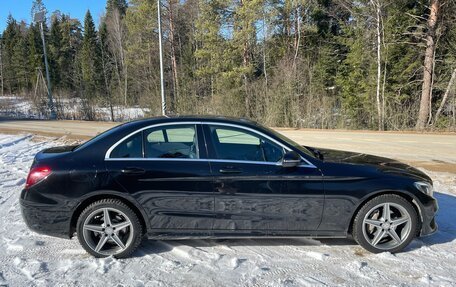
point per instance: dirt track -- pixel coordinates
(431, 151)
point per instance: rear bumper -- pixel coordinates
(46, 219)
(428, 213)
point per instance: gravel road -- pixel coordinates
(433, 151)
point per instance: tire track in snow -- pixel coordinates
(48, 261)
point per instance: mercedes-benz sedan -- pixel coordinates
(214, 177)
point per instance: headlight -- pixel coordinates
(425, 187)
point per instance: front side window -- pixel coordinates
(238, 144)
(129, 148)
(176, 141)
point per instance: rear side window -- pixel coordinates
(176, 141)
(129, 148)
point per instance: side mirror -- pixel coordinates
(291, 159)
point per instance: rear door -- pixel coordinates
(165, 169)
(253, 192)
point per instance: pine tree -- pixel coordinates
(10, 36)
(142, 53)
(90, 59)
(35, 56)
(247, 13)
(55, 54)
(210, 52)
(19, 60)
(119, 5)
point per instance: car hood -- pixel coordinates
(382, 164)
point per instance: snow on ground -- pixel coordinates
(19, 107)
(30, 259)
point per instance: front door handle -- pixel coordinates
(133, 171)
(230, 170)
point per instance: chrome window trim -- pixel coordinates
(200, 160)
(108, 152)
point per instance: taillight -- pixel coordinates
(36, 175)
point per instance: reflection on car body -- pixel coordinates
(223, 178)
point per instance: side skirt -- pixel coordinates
(228, 234)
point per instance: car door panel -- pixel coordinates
(305, 197)
(245, 200)
(264, 196)
(176, 193)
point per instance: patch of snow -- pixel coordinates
(30, 259)
(14, 106)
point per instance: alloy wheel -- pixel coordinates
(387, 225)
(108, 231)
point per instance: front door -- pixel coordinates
(163, 169)
(253, 192)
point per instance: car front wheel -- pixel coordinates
(387, 223)
(108, 227)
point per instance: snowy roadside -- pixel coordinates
(23, 108)
(30, 259)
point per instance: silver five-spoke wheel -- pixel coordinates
(108, 231)
(109, 227)
(386, 223)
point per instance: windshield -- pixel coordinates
(291, 142)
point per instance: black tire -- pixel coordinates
(393, 199)
(135, 229)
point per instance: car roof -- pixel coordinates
(196, 118)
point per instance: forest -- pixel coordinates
(354, 64)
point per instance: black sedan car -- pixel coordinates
(215, 177)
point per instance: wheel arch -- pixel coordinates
(130, 202)
(404, 194)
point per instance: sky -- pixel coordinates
(20, 9)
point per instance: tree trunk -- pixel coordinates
(445, 96)
(428, 66)
(297, 41)
(265, 35)
(105, 77)
(173, 52)
(246, 63)
(1, 67)
(116, 34)
(376, 4)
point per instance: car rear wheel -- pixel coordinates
(109, 227)
(387, 223)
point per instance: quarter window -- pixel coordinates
(177, 141)
(239, 144)
(129, 148)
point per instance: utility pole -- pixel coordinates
(39, 17)
(162, 81)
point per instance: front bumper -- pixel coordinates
(48, 219)
(428, 213)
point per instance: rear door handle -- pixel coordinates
(133, 170)
(230, 170)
